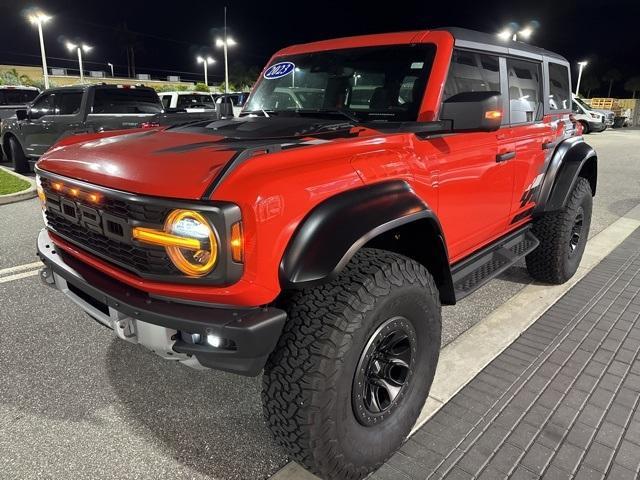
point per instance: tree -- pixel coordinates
(201, 87)
(588, 83)
(611, 76)
(633, 85)
(12, 77)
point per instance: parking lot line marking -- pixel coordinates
(462, 360)
(18, 276)
(20, 268)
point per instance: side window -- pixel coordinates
(68, 103)
(472, 72)
(525, 97)
(42, 106)
(166, 101)
(559, 90)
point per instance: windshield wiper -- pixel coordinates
(339, 111)
(264, 113)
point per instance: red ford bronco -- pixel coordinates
(368, 181)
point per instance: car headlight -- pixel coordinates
(189, 239)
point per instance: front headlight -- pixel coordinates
(188, 238)
(195, 262)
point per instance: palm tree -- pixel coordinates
(611, 76)
(590, 82)
(633, 85)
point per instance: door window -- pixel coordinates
(166, 101)
(559, 90)
(42, 106)
(472, 72)
(68, 103)
(525, 98)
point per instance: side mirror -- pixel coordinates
(473, 111)
(22, 114)
(224, 107)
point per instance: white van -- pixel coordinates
(591, 120)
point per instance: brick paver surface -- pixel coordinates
(561, 402)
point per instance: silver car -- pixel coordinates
(13, 98)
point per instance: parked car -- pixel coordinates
(15, 97)
(590, 120)
(60, 112)
(316, 244)
(189, 101)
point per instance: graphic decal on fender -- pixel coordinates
(278, 70)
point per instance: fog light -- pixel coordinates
(214, 340)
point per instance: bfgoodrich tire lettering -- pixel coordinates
(563, 237)
(308, 380)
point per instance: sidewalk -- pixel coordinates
(560, 402)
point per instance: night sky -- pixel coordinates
(607, 33)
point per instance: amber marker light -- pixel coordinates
(56, 186)
(237, 242)
(74, 192)
(94, 197)
(493, 115)
(164, 239)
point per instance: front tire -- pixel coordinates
(563, 237)
(20, 161)
(354, 365)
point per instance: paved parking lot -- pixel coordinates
(74, 399)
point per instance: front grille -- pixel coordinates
(145, 260)
(123, 209)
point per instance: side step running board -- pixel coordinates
(473, 272)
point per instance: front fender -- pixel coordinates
(334, 231)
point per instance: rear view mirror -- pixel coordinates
(473, 111)
(22, 114)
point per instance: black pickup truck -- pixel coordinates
(59, 112)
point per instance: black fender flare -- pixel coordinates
(331, 234)
(571, 158)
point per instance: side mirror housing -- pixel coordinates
(22, 114)
(473, 111)
(224, 107)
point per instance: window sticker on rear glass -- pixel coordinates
(279, 70)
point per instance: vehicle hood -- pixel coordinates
(177, 162)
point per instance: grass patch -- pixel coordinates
(11, 184)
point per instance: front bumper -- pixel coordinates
(246, 335)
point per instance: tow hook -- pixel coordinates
(46, 276)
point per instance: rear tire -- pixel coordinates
(20, 161)
(324, 393)
(563, 237)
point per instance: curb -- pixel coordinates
(462, 359)
(21, 195)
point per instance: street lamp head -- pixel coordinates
(231, 42)
(526, 32)
(219, 42)
(584, 63)
(86, 48)
(109, 64)
(211, 60)
(200, 59)
(71, 46)
(505, 34)
(36, 17)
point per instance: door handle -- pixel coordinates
(548, 145)
(503, 157)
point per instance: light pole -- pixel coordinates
(82, 47)
(582, 65)
(225, 43)
(206, 61)
(38, 18)
(111, 67)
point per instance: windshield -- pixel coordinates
(580, 102)
(193, 100)
(373, 83)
